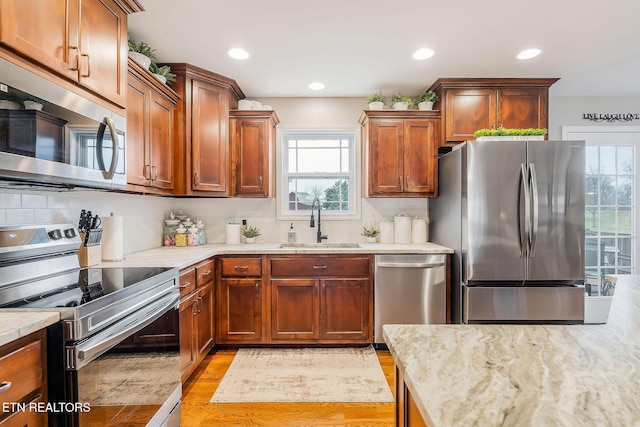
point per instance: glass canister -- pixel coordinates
(169, 232)
(181, 236)
(202, 236)
(193, 238)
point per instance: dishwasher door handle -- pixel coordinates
(410, 264)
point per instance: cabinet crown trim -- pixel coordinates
(198, 73)
(481, 82)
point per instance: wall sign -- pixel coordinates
(618, 117)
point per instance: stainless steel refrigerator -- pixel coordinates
(513, 211)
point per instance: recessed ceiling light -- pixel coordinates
(237, 53)
(529, 53)
(316, 86)
(421, 54)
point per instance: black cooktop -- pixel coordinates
(78, 287)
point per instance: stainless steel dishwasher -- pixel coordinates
(409, 289)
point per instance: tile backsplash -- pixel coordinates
(143, 215)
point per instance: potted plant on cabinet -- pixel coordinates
(370, 233)
(250, 234)
(163, 73)
(426, 100)
(141, 52)
(375, 101)
(506, 134)
(401, 102)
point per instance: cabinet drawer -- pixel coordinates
(241, 267)
(320, 266)
(204, 273)
(21, 371)
(187, 282)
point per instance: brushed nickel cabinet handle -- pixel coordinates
(261, 182)
(186, 285)
(257, 289)
(147, 172)
(406, 180)
(154, 173)
(196, 178)
(88, 65)
(6, 385)
(400, 181)
(241, 267)
(77, 58)
(206, 273)
(319, 267)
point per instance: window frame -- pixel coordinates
(282, 175)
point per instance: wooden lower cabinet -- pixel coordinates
(324, 299)
(197, 316)
(23, 379)
(240, 310)
(407, 413)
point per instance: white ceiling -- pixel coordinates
(358, 47)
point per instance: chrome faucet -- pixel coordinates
(312, 222)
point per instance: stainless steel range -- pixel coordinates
(114, 357)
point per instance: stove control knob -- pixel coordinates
(70, 233)
(55, 234)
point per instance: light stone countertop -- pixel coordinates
(526, 375)
(14, 325)
(181, 257)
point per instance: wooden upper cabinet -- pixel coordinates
(201, 154)
(470, 104)
(84, 41)
(252, 152)
(150, 126)
(401, 153)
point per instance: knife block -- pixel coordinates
(89, 255)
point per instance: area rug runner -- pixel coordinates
(304, 375)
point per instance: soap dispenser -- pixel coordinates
(291, 235)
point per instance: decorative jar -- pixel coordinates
(181, 236)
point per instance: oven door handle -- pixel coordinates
(85, 352)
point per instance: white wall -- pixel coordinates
(568, 111)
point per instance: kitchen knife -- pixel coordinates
(95, 222)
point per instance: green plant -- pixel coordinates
(164, 71)
(501, 131)
(143, 48)
(376, 97)
(251, 232)
(428, 96)
(370, 231)
(398, 97)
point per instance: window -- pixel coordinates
(611, 194)
(318, 165)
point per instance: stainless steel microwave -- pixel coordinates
(71, 142)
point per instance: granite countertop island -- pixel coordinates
(14, 325)
(526, 375)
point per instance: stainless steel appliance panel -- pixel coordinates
(409, 289)
(495, 235)
(523, 304)
(557, 245)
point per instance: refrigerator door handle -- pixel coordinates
(533, 237)
(524, 189)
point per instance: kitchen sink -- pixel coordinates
(320, 245)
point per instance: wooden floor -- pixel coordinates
(198, 411)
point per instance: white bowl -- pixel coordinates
(9, 105)
(172, 221)
(245, 104)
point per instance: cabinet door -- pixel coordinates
(522, 108)
(240, 310)
(138, 168)
(420, 159)
(385, 157)
(209, 142)
(161, 142)
(204, 319)
(468, 110)
(44, 31)
(344, 309)
(188, 354)
(294, 309)
(250, 145)
(103, 49)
